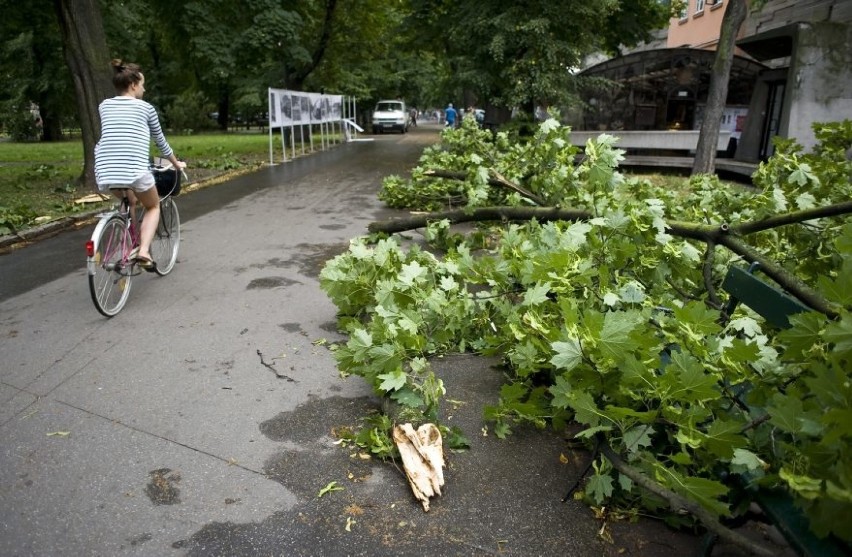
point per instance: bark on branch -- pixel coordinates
(792, 218)
(482, 214)
(786, 280)
(496, 180)
(678, 503)
(728, 236)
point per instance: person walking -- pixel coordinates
(412, 115)
(121, 156)
(450, 116)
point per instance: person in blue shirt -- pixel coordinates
(450, 115)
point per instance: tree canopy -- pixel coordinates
(217, 58)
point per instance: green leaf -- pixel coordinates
(599, 487)
(746, 325)
(513, 392)
(332, 486)
(723, 438)
(838, 423)
(802, 175)
(360, 251)
(615, 341)
(393, 381)
(804, 486)
(412, 273)
(568, 354)
(575, 235)
(449, 284)
(585, 410)
(698, 318)
(632, 293)
(590, 432)
(384, 357)
(502, 430)
(701, 490)
(786, 413)
(746, 461)
(838, 291)
(804, 333)
(560, 392)
(536, 295)
(839, 333)
(688, 380)
(636, 438)
(407, 397)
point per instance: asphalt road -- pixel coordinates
(163, 431)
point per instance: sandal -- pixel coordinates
(145, 263)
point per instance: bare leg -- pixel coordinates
(151, 201)
(131, 201)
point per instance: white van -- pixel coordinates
(390, 116)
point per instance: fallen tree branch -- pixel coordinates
(792, 218)
(681, 504)
(496, 180)
(709, 258)
(481, 214)
(785, 279)
(711, 234)
(515, 187)
(422, 456)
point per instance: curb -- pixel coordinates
(19, 240)
(23, 238)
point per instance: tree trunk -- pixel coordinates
(295, 79)
(705, 153)
(51, 126)
(224, 116)
(87, 56)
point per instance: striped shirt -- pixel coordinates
(127, 126)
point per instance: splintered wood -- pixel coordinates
(422, 458)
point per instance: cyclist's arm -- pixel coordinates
(160, 139)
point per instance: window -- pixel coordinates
(715, 3)
(684, 13)
(699, 6)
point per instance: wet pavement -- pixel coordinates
(199, 421)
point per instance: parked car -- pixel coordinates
(390, 116)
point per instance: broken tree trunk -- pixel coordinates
(422, 458)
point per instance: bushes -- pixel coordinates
(189, 112)
(19, 122)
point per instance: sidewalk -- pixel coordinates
(163, 432)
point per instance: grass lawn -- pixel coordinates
(38, 181)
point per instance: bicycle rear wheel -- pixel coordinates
(109, 276)
(164, 248)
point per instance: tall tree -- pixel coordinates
(705, 152)
(323, 28)
(521, 53)
(32, 66)
(88, 59)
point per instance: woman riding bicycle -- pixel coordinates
(122, 155)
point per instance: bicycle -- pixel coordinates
(110, 258)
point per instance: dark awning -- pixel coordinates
(769, 45)
(668, 64)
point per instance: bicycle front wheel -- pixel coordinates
(109, 277)
(164, 248)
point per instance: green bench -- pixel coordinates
(776, 307)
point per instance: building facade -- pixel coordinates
(793, 67)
